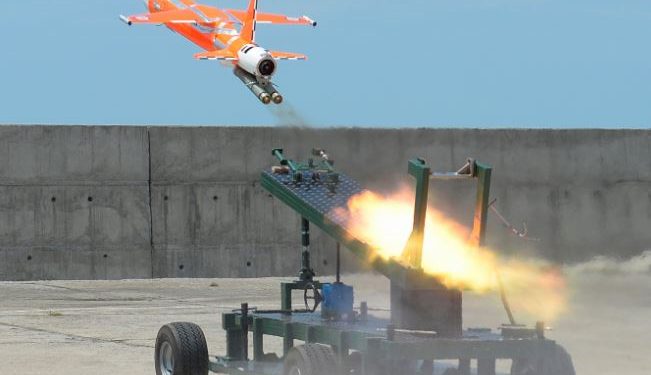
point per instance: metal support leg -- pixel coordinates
(234, 344)
(286, 296)
(478, 234)
(258, 342)
(372, 362)
(464, 366)
(413, 252)
(288, 340)
(307, 273)
(310, 335)
(342, 352)
(338, 262)
(245, 331)
(233, 336)
(486, 366)
(427, 368)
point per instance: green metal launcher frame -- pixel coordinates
(292, 181)
(425, 325)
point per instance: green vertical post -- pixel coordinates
(310, 335)
(483, 173)
(486, 366)
(234, 344)
(414, 251)
(374, 362)
(286, 296)
(258, 343)
(341, 351)
(233, 336)
(464, 366)
(306, 273)
(288, 338)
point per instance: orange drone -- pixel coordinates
(216, 31)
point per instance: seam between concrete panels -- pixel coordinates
(79, 183)
(151, 214)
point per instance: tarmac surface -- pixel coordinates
(102, 327)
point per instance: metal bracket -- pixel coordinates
(468, 170)
(412, 253)
(515, 231)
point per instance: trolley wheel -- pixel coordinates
(560, 363)
(181, 349)
(311, 359)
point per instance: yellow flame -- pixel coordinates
(385, 222)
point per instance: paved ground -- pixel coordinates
(102, 327)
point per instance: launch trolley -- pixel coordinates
(423, 336)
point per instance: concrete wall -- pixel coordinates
(185, 202)
(74, 203)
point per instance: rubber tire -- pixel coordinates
(189, 348)
(311, 359)
(560, 363)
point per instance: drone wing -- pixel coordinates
(169, 16)
(277, 19)
(222, 54)
(278, 55)
(186, 15)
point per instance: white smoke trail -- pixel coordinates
(640, 264)
(287, 115)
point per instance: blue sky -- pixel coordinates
(467, 63)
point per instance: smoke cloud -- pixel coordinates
(640, 264)
(287, 115)
(384, 222)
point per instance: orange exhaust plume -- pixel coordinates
(385, 222)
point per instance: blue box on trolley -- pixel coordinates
(337, 301)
